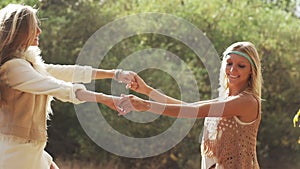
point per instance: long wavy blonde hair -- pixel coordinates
(18, 26)
(255, 80)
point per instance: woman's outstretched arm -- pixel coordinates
(244, 107)
(123, 76)
(139, 85)
(89, 96)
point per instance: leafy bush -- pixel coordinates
(68, 24)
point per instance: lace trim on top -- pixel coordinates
(231, 141)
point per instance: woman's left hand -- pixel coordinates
(130, 103)
(112, 102)
(124, 76)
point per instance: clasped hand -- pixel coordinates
(128, 103)
(124, 76)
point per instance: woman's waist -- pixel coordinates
(24, 134)
(20, 140)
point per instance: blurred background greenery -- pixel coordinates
(270, 24)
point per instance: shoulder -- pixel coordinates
(243, 98)
(242, 105)
(15, 62)
(250, 105)
(250, 98)
(16, 65)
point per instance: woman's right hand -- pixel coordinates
(129, 103)
(124, 76)
(138, 85)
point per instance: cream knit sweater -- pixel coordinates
(27, 86)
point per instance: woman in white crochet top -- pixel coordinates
(231, 120)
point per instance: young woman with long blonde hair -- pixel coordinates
(27, 86)
(231, 120)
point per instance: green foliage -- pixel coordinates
(67, 25)
(286, 5)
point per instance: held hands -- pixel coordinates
(112, 102)
(123, 104)
(138, 85)
(123, 76)
(129, 103)
(133, 81)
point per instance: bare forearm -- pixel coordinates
(160, 97)
(89, 96)
(178, 110)
(203, 102)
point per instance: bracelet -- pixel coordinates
(117, 73)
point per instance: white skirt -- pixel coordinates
(14, 155)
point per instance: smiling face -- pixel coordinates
(238, 71)
(237, 74)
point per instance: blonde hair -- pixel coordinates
(255, 80)
(17, 30)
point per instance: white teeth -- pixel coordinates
(233, 76)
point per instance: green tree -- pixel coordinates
(67, 25)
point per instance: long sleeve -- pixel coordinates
(70, 73)
(20, 75)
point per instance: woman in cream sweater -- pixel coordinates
(27, 86)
